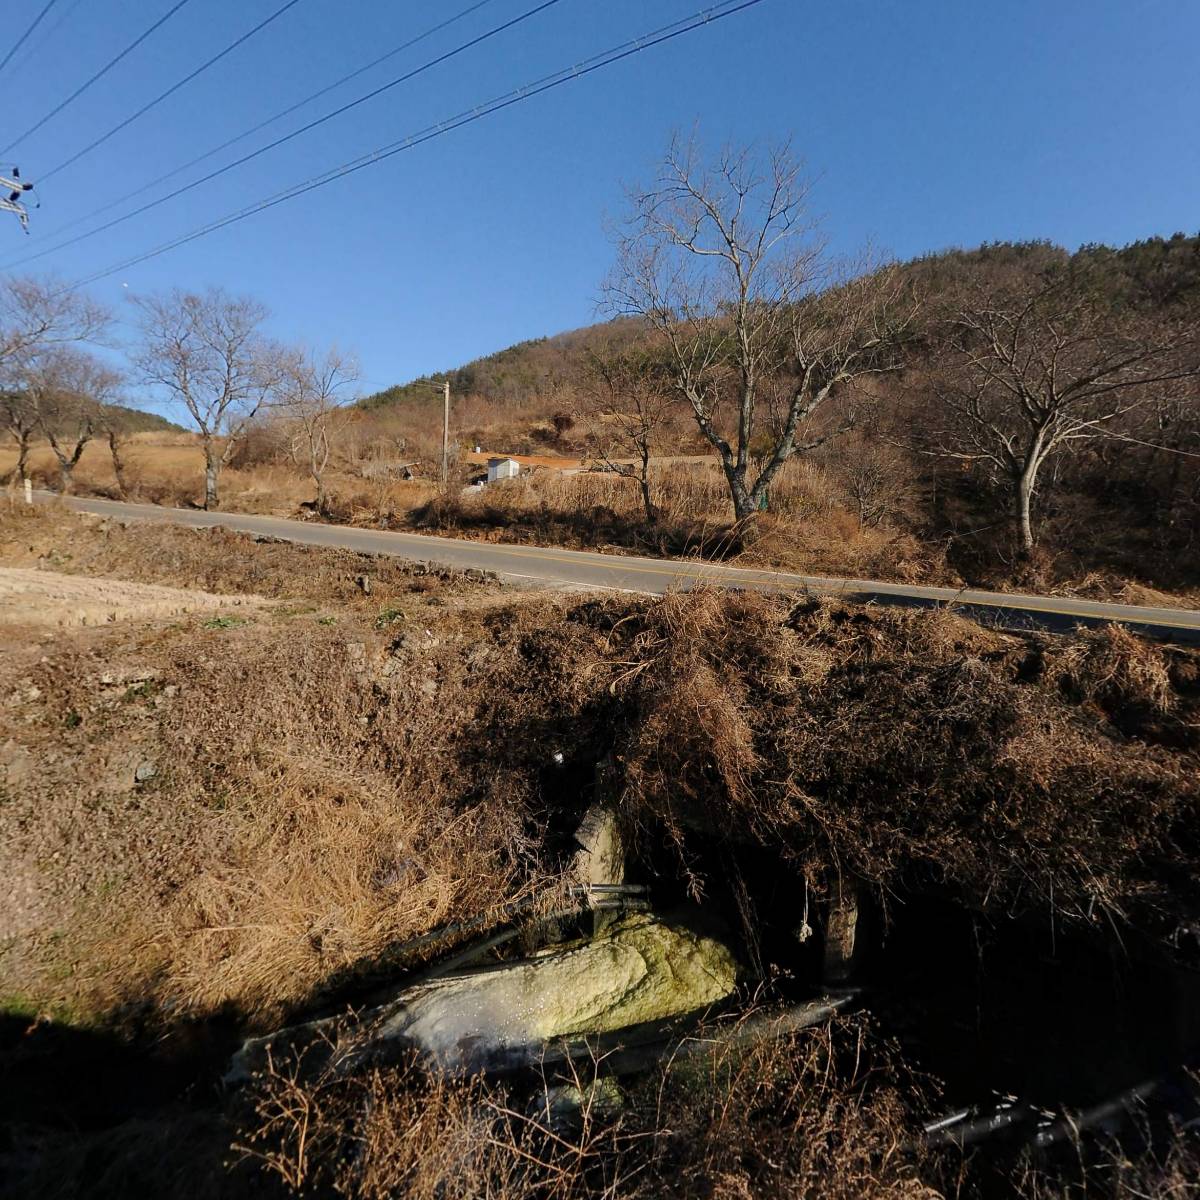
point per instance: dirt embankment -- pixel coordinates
(208, 824)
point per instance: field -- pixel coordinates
(217, 821)
(169, 469)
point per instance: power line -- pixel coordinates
(516, 96)
(145, 187)
(287, 137)
(21, 40)
(104, 70)
(47, 35)
(141, 112)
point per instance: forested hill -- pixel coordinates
(1156, 273)
(135, 420)
(539, 367)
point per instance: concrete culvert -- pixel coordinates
(640, 971)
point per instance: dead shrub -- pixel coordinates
(811, 1115)
(918, 753)
(692, 724)
(1159, 1172)
(1116, 669)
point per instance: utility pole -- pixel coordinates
(445, 432)
(445, 390)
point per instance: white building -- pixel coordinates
(503, 468)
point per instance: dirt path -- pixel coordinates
(31, 597)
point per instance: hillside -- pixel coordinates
(873, 495)
(1152, 274)
(546, 368)
(137, 420)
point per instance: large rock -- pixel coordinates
(638, 972)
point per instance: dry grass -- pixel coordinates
(168, 469)
(808, 529)
(1170, 1173)
(344, 773)
(810, 1116)
(908, 748)
(214, 560)
(310, 806)
(1117, 670)
(347, 771)
(319, 857)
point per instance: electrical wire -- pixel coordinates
(21, 40)
(145, 187)
(47, 36)
(141, 112)
(287, 137)
(597, 62)
(104, 70)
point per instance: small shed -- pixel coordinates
(502, 468)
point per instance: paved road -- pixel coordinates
(548, 566)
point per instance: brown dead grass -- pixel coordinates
(311, 807)
(810, 1115)
(352, 770)
(911, 749)
(347, 771)
(168, 469)
(1118, 671)
(213, 560)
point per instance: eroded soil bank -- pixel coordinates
(216, 827)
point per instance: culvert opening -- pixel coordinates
(1028, 1016)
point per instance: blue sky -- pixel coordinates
(929, 123)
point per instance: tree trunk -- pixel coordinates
(66, 470)
(212, 471)
(23, 454)
(647, 503)
(118, 463)
(644, 484)
(1024, 514)
(745, 504)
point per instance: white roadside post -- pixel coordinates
(28, 490)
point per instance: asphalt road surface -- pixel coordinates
(546, 566)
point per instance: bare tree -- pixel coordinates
(311, 404)
(207, 354)
(39, 314)
(20, 420)
(1033, 370)
(724, 260)
(872, 477)
(116, 433)
(68, 390)
(628, 400)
